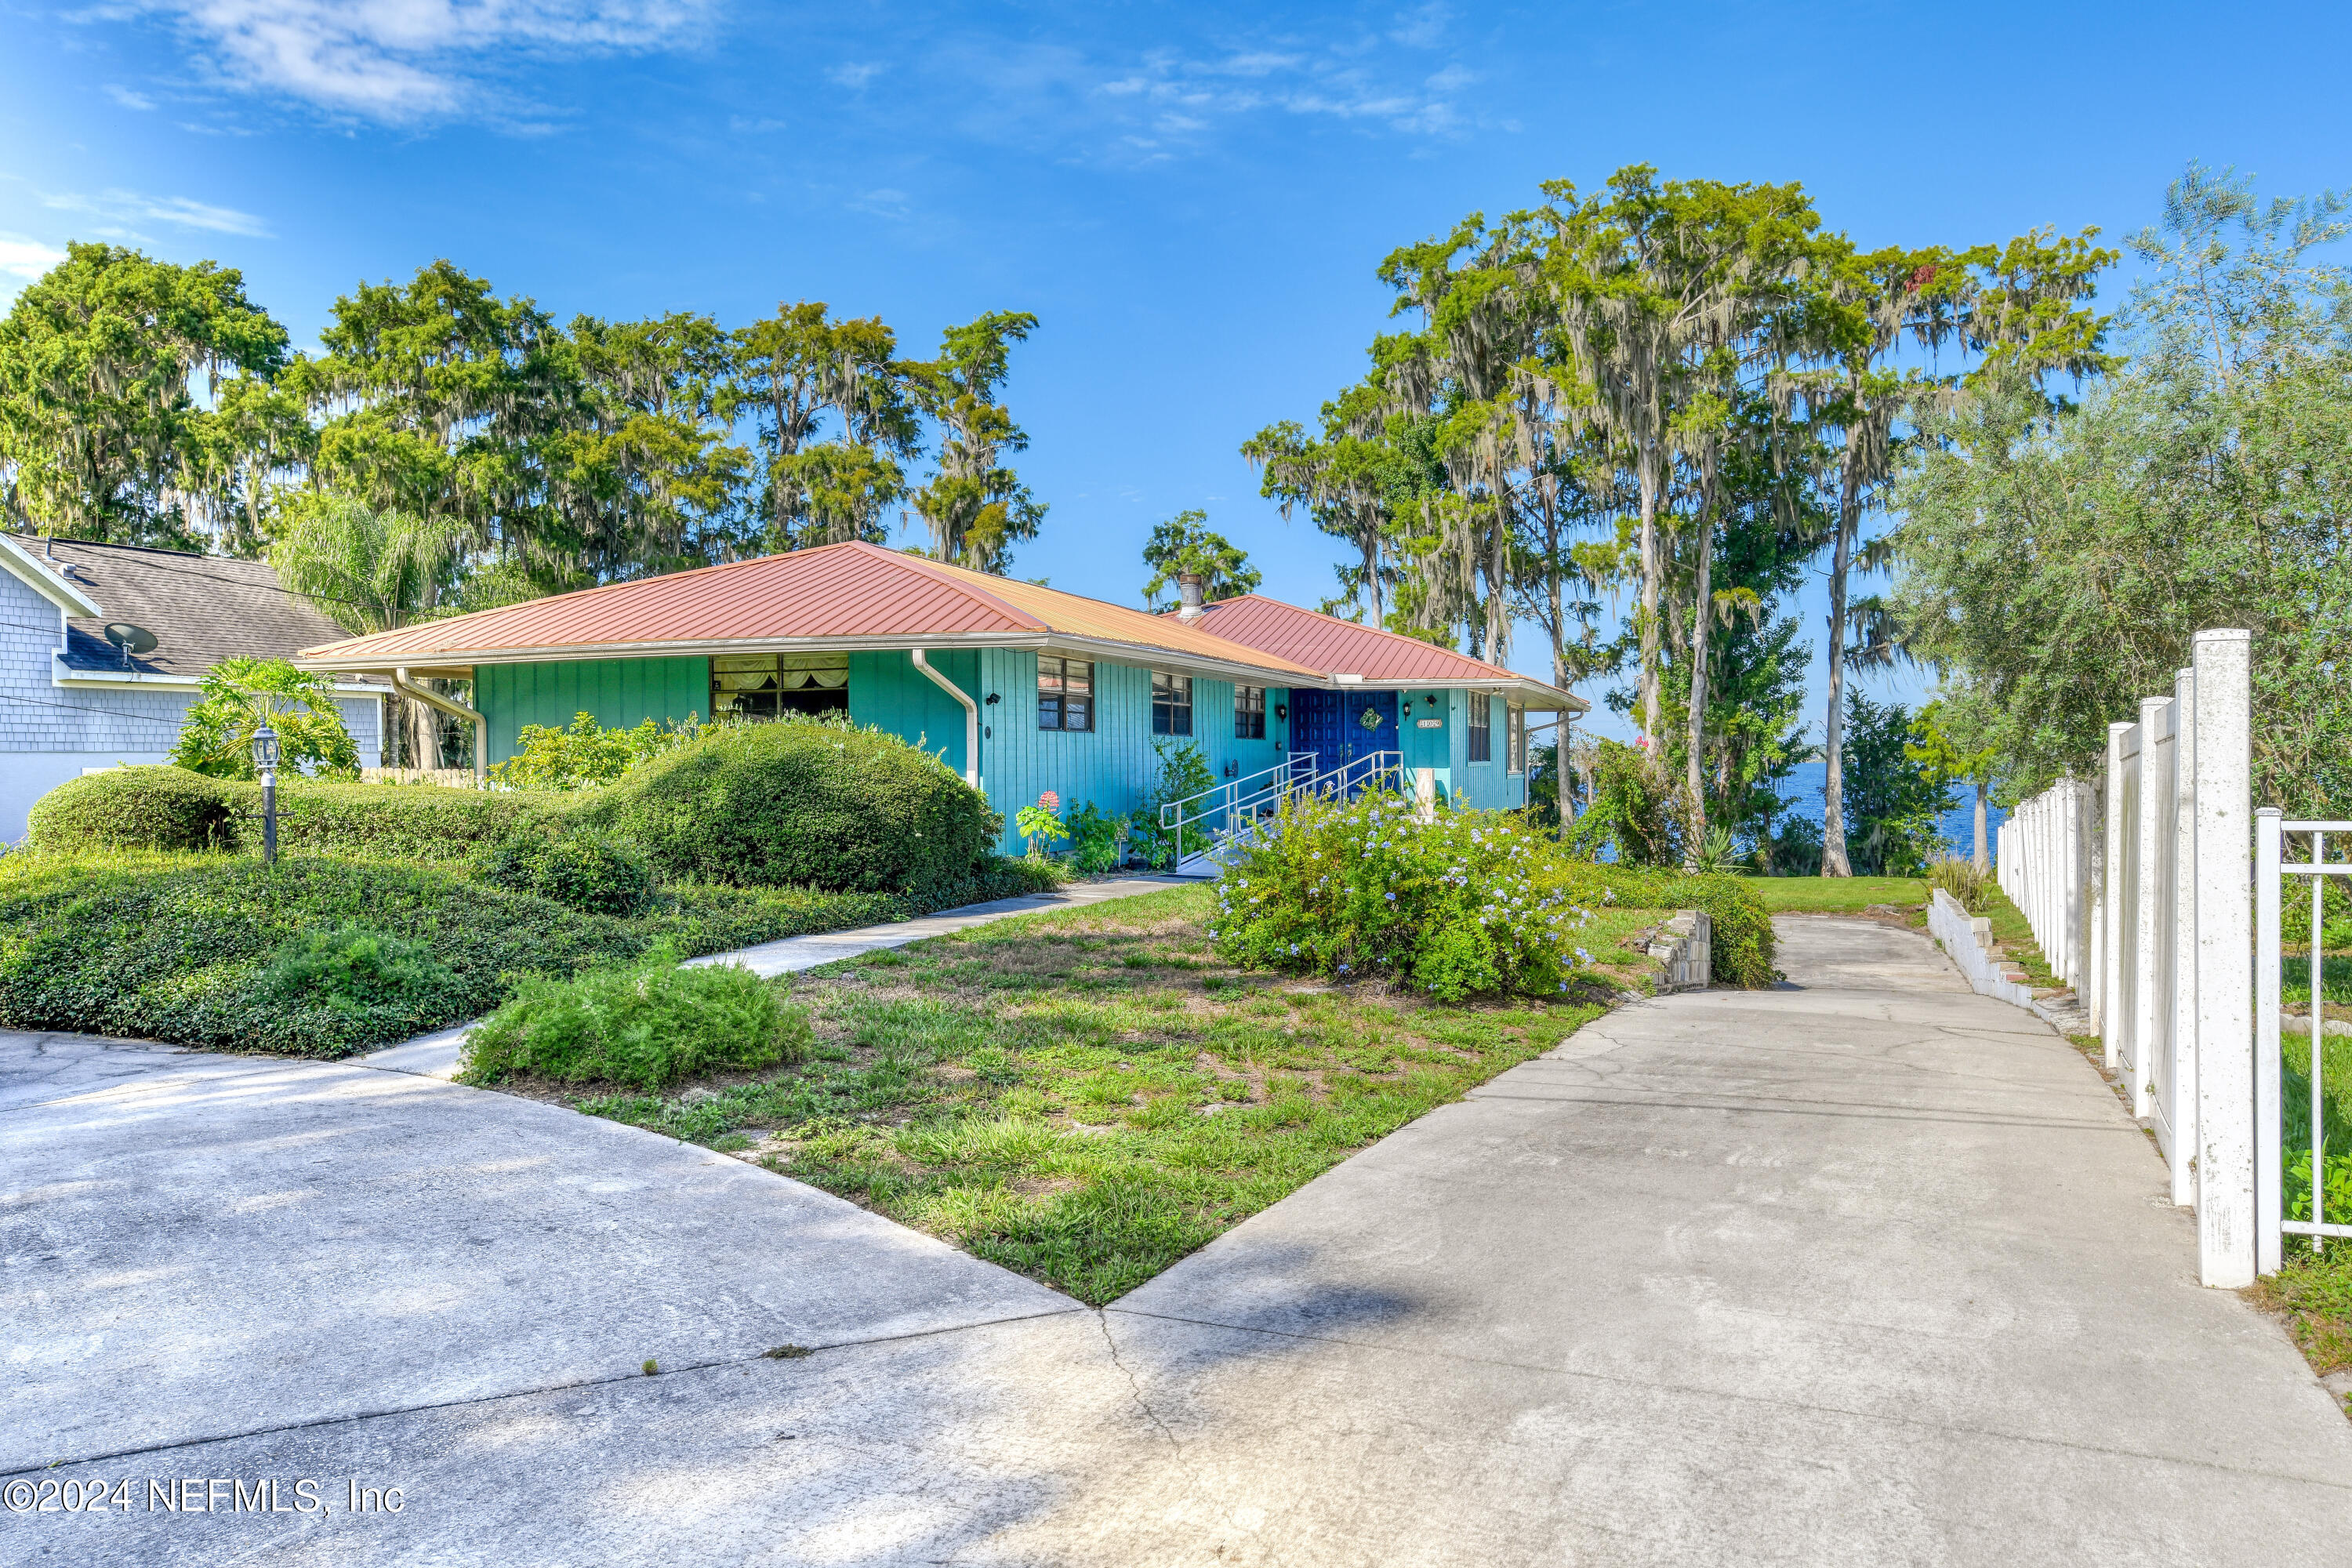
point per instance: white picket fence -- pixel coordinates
(2139, 892)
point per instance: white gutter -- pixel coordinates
(64, 675)
(971, 717)
(401, 683)
(1146, 655)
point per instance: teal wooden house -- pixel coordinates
(1021, 689)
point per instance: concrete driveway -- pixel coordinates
(1867, 1269)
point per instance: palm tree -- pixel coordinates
(369, 571)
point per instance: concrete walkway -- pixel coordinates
(436, 1055)
(1864, 1270)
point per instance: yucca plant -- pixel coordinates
(1959, 878)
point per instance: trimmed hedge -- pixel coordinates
(157, 807)
(171, 810)
(803, 801)
(582, 870)
(324, 957)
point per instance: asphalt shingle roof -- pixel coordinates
(201, 608)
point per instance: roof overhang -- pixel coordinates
(459, 663)
(1523, 689)
(22, 564)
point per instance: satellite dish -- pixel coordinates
(129, 639)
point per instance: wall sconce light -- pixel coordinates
(1281, 711)
(993, 699)
(1432, 700)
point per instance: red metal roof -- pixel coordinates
(850, 591)
(1335, 646)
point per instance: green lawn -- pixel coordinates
(1087, 1095)
(2335, 979)
(1838, 895)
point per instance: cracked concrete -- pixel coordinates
(1867, 1269)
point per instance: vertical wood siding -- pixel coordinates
(619, 693)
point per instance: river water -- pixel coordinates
(1803, 790)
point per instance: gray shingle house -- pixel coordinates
(70, 700)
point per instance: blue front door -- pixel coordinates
(1334, 724)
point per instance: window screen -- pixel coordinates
(1482, 727)
(1518, 738)
(1172, 703)
(763, 685)
(1066, 693)
(1249, 712)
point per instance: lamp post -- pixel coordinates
(264, 763)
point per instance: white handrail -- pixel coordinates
(1174, 817)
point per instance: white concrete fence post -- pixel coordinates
(2270, 1197)
(2114, 1025)
(2225, 1022)
(2184, 935)
(2152, 904)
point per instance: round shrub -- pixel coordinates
(574, 867)
(153, 808)
(804, 802)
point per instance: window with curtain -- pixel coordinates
(1249, 712)
(763, 685)
(1172, 703)
(1482, 727)
(1066, 693)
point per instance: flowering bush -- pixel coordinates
(1467, 904)
(1041, 823)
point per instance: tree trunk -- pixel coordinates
(1833, 857)
(1983, 860)
(1648, 682)
(1694, 769)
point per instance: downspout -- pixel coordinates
(402, 684)
(971, 717)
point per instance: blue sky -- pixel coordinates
(1191, 197)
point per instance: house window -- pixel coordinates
(1172, 703)
(1482, 728)
(1249, 712)
(764, 685)
(1066, 693)
(1518, 738)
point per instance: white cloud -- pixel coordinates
(117, 208)
(1168, 100)
(25, 258)
(411, 59)
(745, 125)
(884, 202)
(128, 99)
(1421, 27)
(852, 74)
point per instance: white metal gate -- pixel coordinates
(2274, 1200)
